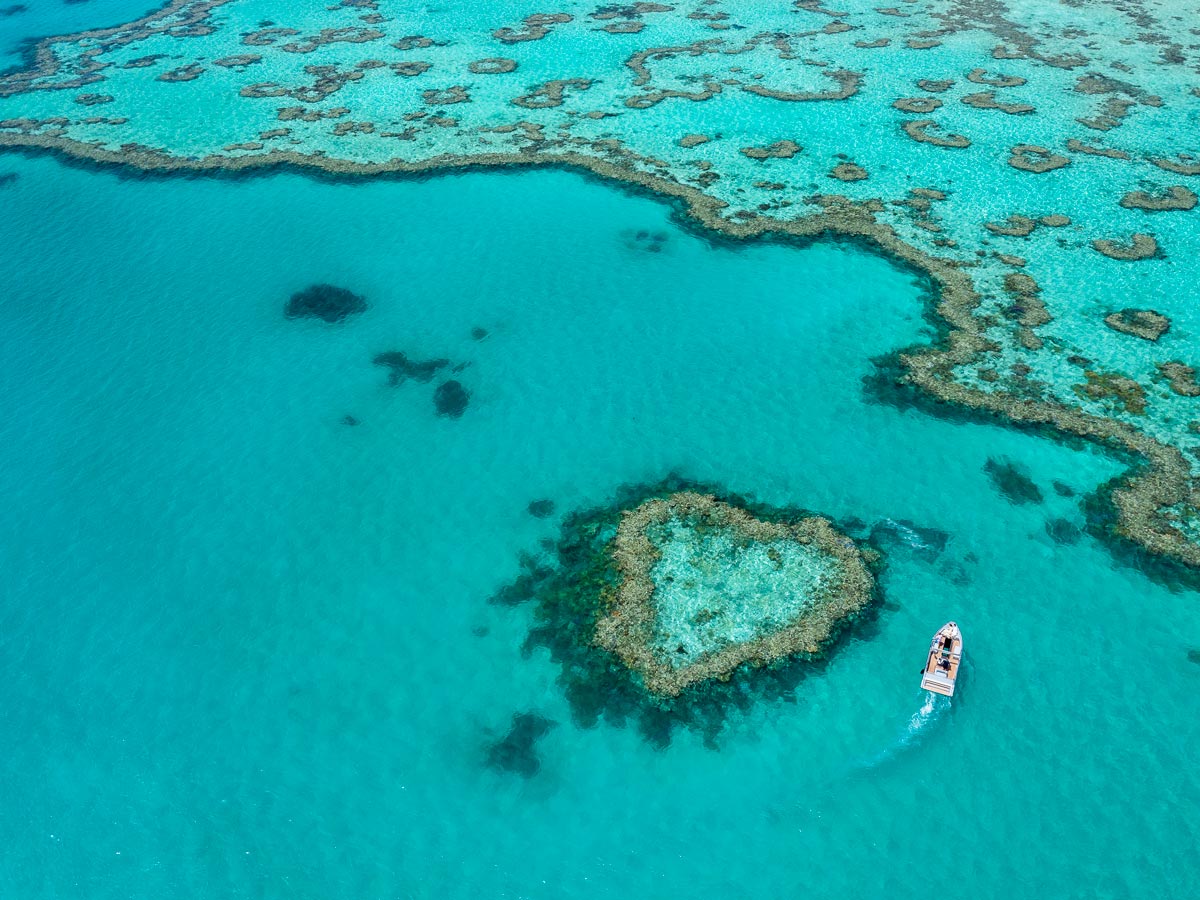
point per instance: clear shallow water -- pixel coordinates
(238, 638)
(711, 590)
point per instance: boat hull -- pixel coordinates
(942, 665)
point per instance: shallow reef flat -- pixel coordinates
(1033, 159)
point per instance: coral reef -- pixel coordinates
(595, 608)
(1013, 481)
(1147, 324)
(401, 368)
(451, 399)
(324, 301)
(516, 752)
(635, 625)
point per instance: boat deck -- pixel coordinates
(938, 680)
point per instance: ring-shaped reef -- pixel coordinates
(678, 603)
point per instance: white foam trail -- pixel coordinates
(909, 536)
(920, 723)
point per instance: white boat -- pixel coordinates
(945, 658)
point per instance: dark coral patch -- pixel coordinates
(516, 752)
(324, 301)
(402, 368)
(1063, 531)
(1013, 481)
(451, 399)
(541, 509)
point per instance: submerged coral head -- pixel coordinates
(324, 301)
(705, 587)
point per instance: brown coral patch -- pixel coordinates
(987, 100)
(1148, 324)
(1032, 158)
(411, 69)
(493, 65)
(1174, 198)
(934, 85)
(551, 93)
(350, 35)
(847, 86)
(920, 130)
(238, 61)
(784, 149)
(264, 37)
(1183, 164)
(917, 104)
(413, 42)
(849, 171)
(1077, 146)
(693, 140)
(446, 96)
(1015, 225)
(1126, 393)
(1140, 246)
(631, 27)
(981, 76)
(1180, 378)
(183, 73)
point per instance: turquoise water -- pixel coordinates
(240, 655)
(247, 649)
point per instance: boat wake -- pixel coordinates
(920, 724)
